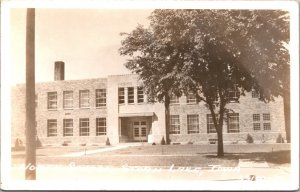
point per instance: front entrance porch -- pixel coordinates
(135, 129)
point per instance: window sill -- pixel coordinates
(84, 108)
(102, 107)
(52, 109)
(68, 108)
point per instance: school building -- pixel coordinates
(92, 110)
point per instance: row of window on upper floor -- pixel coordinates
(84, 99)
(100, 99)
(191, 97)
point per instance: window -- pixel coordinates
(84, 127)
(130, 95)
(84, 99)
(100, 97)
(140, 94)
(233, 123)
(233, 94)
(52, 128)
(68, 100)
(256, 126)
(255, 94)
(267, 126)
(68, 127)
(266, 117)
(52, 100)
(100, 126)
(121, 94)
(193, 124)
(267, 123)
(174, 124)
(210, 123)
(174, 99)
(191, 98)
(256, 117)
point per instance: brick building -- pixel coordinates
(92, 110)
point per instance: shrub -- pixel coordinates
(249, 139)
(65, 143)
(107, 142)
(190, 143)
(153, 143)
(163, 142)
(279, 139)
(38, 142)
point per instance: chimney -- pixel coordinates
(59, 71)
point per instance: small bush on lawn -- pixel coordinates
(163, 142)
(65, 143)
(107, 142)
(279, 139)
(190, 143)
(249, 139)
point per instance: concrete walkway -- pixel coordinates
(88, 152)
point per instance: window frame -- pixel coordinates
(65, 128)
(130, 95)
(50, 129)
(52, 101)
(84, 102)
(140, 95)
(84, 130)
(174, 124)
(191, 127)
(101, 129)
(121, 97)
(100, 98)
(191, 98)
(229, 123)
(210, 124)
(68, 99)
(174, 100)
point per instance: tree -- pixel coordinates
(216, 54)
(30, 158)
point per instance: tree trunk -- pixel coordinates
(220, 142)
(287, 116)
(167, 116)
(30, 156)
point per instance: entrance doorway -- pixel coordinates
(140, 130)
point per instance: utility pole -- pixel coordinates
(30, 131)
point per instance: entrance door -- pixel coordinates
(140, 130)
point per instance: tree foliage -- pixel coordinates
(211, 53)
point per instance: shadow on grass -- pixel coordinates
(277, 157)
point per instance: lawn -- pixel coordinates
(163, 155)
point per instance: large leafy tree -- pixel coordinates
(214, 54)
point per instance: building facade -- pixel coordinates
(92, 110)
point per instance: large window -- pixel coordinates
(52, 127)
(267, 121)
(68, 100)
(84, 99)
(174, 124)
(68, 127)
(191, 98)
(193, 124)
(130, 95)
(264, 123)
(140, 94)
(210, 123)
(100, 97)
(174, 99)
(52, 100)
(121, 93)
(100, 126)
(256, 122)
(233, 94)
(233, 123)
(84, 127)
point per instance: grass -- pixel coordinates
(163, 155)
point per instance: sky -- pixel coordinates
(87, 40)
